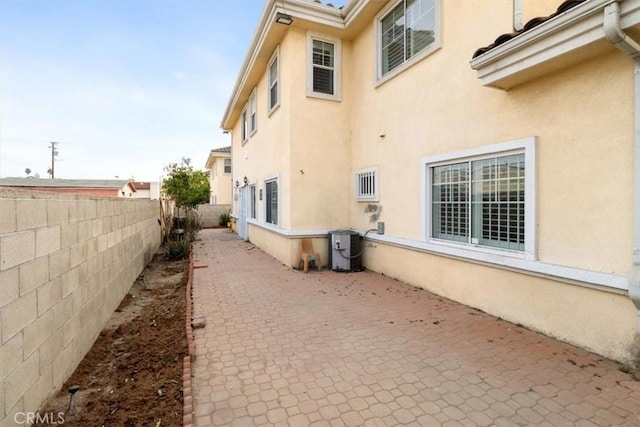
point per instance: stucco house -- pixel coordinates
(219, 167)
(146, 190)
(497, 142)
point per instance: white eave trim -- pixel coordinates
(532, 54)
(298, 9)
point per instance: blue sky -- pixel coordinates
(125, 86)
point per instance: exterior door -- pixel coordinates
(243, 201)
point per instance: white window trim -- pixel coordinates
(253, 111)
(337, 66)
(524, 145)
(376, 195)
(224, 166)
(253, 203)
(435, 46)
(267, 179)
(274, 57)
(244, 125)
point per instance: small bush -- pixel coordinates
(177, 249)
(224, 219)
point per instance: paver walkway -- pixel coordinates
(281, 347)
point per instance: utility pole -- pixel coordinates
(54, 153)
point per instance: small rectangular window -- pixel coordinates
(274, 77)
(227, 165)
(323, 67)
(367, 185)
(252, 195)
(253, 116)
(244, 130)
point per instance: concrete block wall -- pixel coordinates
(210, 214)
(66, 262)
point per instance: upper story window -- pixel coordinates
(484, 199)
(244, 130)
(367, 184)
(408, 32)
(253, 115)
(323, 66)
(227, 165)
(274, 82)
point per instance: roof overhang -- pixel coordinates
(344, 23)
(564, 40)
(213, 155)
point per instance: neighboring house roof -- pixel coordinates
(345, 22)
(531, 24)
(141, 185)
(216, 153)
(222, 150)
(63, 183)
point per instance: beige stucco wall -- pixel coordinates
(209, 215)
(320, 149)
(220, 182)
(600, 321)
(581, 118)
(65, 264)
(267, 153)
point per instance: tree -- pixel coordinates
(186, 187)
(27, 171)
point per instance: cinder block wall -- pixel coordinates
(66, 262)
(210, 214)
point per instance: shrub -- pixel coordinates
(224, 219)
(177, 249)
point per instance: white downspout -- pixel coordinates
(517, 15)
(626, 44)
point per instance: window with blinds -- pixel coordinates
(407, 30)
(244, 130)
(367, 184)
(271, 202)
(253, 114)
(227, 165)
(323, 67)
(273, 82)
(480, 202)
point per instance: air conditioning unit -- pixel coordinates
(345, 250)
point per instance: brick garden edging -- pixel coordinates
(187, 413)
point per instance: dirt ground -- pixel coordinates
(132, 376)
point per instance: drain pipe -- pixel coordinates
(517, 15)
(626, 44)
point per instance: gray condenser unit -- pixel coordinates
(345, 250)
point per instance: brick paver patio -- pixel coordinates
(281, 347)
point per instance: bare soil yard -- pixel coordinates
(132, 376)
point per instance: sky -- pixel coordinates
(125, 87)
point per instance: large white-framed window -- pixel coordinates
(273, 79)
(483, 198)
(253, 113)
(227, 166)
(407, 31)
(367, 184)
(252, 201)
(244, 126)
(271, 200)
(324, 66)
